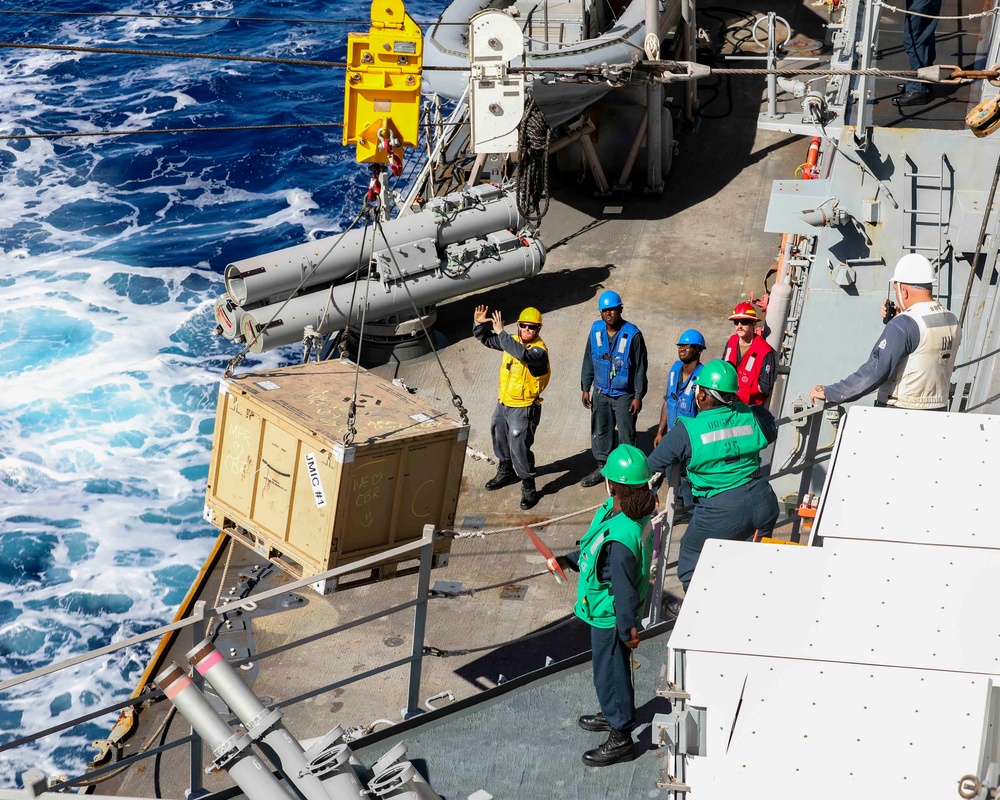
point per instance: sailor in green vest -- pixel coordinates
(721, 450)
(614, 562)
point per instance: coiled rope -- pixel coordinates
(516, 528)
(534, 135)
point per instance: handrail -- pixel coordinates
(424, 545)
(225, 608)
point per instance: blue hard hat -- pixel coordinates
(691, 336)
(609, 299)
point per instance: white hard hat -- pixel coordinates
(913, 269)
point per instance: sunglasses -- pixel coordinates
(528, 326)
(744, 321)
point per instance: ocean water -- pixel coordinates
(111, 254)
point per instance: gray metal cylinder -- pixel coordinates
(327, 311)
(244, 767)
(287, 751)
(402, 782)
(331, 759)
(777, 314)
(475, 211)
(228, 316)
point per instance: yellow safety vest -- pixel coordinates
(518, 387)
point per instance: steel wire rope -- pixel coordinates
(150, 131)
(205, 129)
(977, 359)
(456, 398)
(593, 73)
(986, 402)
(206, 17)
(357, 275)
(236, 360)
(896, 10)
(352, 407)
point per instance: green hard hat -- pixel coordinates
(627, 464)
(719, 375)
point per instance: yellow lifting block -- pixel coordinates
(382, 88)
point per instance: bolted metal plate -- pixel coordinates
(473, 523)
(447, 587)
(513, 592)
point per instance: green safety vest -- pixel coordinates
(595, 604)
(725, 449)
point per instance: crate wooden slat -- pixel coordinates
(282, 481)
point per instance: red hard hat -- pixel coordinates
(745, 311)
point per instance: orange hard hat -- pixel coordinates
(745, 311)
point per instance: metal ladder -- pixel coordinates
(912, 242)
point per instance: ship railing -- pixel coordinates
(198, 620)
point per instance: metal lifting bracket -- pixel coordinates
(671, 692)
(229, 750)
(263, 722)
(489, 72)
(683, 729)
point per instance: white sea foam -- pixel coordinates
(111, 253)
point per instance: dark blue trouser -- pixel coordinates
(513, 433)
(918, 38)
(612, 663)
(611, 424)
(734, 514)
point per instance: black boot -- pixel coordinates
(529, 497)
(618, 748)
(505, 477)
(593, 722)
(593, 478)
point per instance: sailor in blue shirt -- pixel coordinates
(679, 401)
(679, 398)
(613, 380)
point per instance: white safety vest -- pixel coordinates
(923, 379)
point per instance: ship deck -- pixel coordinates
(680, 260)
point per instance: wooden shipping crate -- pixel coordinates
(282, 480)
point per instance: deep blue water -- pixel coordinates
(111, 253)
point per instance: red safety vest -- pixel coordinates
(748, 370)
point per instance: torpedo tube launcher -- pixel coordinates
(459, 243)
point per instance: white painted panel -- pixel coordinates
(874, 603)
(817, 730)
(941, 482)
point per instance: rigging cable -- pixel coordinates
(456, 398)
(148, 131)
(207, 17)
(589, 75)
(352, 407)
